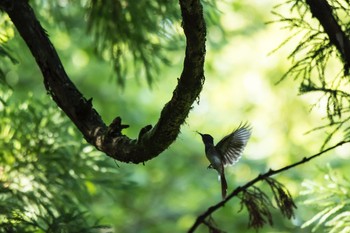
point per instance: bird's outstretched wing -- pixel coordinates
(231, 146)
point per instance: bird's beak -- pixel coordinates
(199, 133)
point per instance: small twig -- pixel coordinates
(211, 226)
(201, 218)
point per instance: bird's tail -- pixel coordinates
(223, 185)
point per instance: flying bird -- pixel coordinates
(226, 152)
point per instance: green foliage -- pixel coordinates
(137, 30)
(6, 57)
(330, 198)
(68, 177)
(139, 36)
(316, 61)
(47, 174)
(313, 52)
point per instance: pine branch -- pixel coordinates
(202, 218)
(109, 139)
(321, 10)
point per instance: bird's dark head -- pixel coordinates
(206, 138)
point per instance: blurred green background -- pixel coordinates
(45, 159)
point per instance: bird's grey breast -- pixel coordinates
(213, 156)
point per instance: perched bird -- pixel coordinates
(227, 151)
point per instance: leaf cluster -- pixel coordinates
(258, 203)
(314, 50)
(47, 174)
(134, 30)
(136, 37)
(139, 36)
(6, 33)
(316, 62)
(330, 198)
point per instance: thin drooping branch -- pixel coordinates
(202, 218)
(321, 10)
(109, 139)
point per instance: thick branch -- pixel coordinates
(110, 140)
(201, 218)
(321, 10)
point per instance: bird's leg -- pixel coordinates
(210, 166)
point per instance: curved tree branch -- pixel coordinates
(321, 10)
(201, 219)
(109, 139)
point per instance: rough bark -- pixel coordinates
(109, 139)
